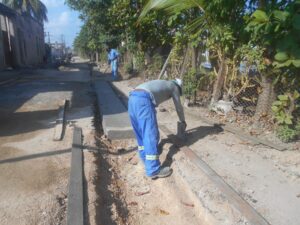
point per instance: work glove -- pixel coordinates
(184, 125)
(181, 126)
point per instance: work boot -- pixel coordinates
(163, 172)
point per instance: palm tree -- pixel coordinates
(34, 8)
(200, 20)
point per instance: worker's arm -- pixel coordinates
(178, 106)
(108, 59)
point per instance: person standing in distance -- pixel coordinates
(112, 56)
(141, 108)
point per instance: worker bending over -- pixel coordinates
(141, 107)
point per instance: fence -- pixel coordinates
(246, 97)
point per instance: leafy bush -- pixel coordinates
(287, 134)
(139, 61)
(156, 65)
(284, 108)
(128, 68)
(286, 111)
(190, 83)
(297, 127)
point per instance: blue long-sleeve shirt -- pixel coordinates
(113, 55)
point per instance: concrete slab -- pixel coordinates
(115, 119)
(240, 207)
(75, 196)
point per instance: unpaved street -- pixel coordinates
(34, 169)
(266, 178)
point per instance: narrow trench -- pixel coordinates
(111, 208)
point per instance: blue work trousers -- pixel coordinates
(114, 69)
(143, 120)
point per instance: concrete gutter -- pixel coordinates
(115, 119)
(217, 201)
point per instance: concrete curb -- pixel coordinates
(237, 210)
(234, 199)
(75, 196)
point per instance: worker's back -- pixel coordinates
(160, 90)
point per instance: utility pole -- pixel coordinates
(49, 41)
(47, 34)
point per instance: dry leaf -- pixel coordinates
(140, 193)
(163, 212)
(188, 204)
(133, 203)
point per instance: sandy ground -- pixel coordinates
(268, 179)
(120, 193)
(34, 170)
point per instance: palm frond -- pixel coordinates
(171, 6)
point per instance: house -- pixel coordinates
(21, 39)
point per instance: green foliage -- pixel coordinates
(190, 83)
(278, 30)
(139, 61)
(110, 22)
(287, 134)
(297, 127)
(284, 108)
(156, 64)
(128, 68)
(206, 79)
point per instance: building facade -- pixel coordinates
(21, 40)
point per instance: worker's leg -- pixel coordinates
(132, 108)
(114, 70)
(150, 139)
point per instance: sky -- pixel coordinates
(61, 21)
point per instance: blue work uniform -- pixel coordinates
(113, 59)
(142, 113)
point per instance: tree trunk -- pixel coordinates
(219, 83)
(184, 63)
(265, 99)
(97, 57)
(195, 68)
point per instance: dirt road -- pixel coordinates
(268, 179)
(34, 170)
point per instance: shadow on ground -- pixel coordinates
(192, 136)
(25, 88)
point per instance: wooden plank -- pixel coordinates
(164, 66)
(75, 196)
(233, 197)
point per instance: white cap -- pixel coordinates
(178, 81)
